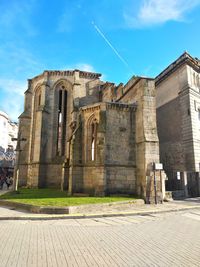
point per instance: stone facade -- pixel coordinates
(89, 136)
(178, 122)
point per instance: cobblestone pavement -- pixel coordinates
(169, 239)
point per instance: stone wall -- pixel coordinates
(169, 123)
(142, 91)
(121, 180)
(178, 122)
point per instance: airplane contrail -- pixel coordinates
(108, 42)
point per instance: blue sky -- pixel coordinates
(117, 38)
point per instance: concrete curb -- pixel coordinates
(64, 210)
(98, 215)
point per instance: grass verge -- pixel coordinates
(54, 197)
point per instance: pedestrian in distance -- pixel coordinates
(8, 181)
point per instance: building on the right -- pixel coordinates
(178, 122)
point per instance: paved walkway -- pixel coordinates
(163, 240)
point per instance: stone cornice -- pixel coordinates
(90, 75)
(91, 107)
(110, 105)
(185, 58)
(189, 90)
(121, 106)
(64, 73)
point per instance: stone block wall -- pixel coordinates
(94, 180)
(178, 102)
(169, 123)
(120, 180)
(23, 171)
(142, 91)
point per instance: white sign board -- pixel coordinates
(158, 166)
(178, 175)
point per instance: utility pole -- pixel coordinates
(18, 149)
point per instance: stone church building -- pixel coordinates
(85, 135)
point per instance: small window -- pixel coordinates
(61, 121)
(39, 99)
(92, 139)
(199, 114)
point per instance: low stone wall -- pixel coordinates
(90, 208)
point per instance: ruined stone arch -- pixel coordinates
(62, 82)
(91, 142)
(62, 92)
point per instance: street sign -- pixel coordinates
(178, 175)
(158, 166)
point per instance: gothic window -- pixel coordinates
(93, 142)
(61, 121)
(38, 98)
(92, 139)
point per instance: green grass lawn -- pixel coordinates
(54, 197)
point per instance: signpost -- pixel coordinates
(156, 167)
(18, 149)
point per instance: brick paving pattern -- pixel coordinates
(171, 239)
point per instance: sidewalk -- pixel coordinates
(101, 210)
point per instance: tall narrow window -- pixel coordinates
(93, 142)
(92, 137)
(62, 121)
(39, 99)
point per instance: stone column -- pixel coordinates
(147, 144)
(70, 185)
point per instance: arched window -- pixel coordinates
(61, 121)
(38, 98)
(92, 139)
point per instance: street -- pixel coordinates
(167, 239)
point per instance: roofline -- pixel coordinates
(185, 58)
(82, 74)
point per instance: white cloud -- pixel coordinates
(13, 106)
(154, 12)
(80, 66)
(12, 97)
(85, 67)
(13, 86)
